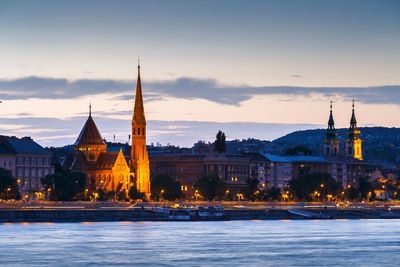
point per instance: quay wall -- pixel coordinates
(98, 215)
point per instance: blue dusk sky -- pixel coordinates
(250, 68)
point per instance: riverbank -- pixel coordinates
(147, 214)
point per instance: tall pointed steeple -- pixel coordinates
(138, 112)
(353, 121)
(139, 155)
(331, 122)
(331, 144)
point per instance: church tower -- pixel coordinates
(331, 144)
(90, 142)
(353, 143)
(139, 156)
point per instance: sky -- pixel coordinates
(250, 68)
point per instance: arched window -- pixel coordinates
(138, 131)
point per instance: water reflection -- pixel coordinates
(237, 243)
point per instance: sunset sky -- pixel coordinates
(250, 68)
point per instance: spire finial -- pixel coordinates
(90, 109)
(331, 105)
(138, 62)
(353, 104)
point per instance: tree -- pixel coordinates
(121, 195)
(65, 186)
(272, 194)
(211, 186)
(352, 193)
(109, 195)
(220, 144)
(364, 187)
(315, 186)
(251, 189)
(135, 194)
(165, 187)
(8, 185)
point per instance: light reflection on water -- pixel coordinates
(238, 243)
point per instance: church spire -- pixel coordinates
(331, 122)
(138, 114)
(331, 131)
(353, 121)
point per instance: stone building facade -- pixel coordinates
(31, 163)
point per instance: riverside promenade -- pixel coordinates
(123, 211)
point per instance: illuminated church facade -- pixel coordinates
(113, 171)
(353, 144)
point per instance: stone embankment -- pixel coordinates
(146, 214)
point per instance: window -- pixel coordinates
(19, 172)
(46, 172)
(33, 162)
(33, 172)
(19, 161)
(26, 161)
(27, 172)
(138, 131)
(46, 162)
(40, 172)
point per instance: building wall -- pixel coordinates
(30, 168)
(188, 168)
(8, 162)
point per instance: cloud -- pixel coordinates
(60, 132)
(186, 88)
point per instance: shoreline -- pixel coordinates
(144, 214)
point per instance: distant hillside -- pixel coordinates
(380, 144)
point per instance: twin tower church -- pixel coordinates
(353, 143)
(112, 171)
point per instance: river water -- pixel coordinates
(233, 243)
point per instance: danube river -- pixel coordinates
(238, 243)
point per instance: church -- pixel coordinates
(113, 171)
(352, 150)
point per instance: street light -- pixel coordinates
(162, 192)
(8, 190)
